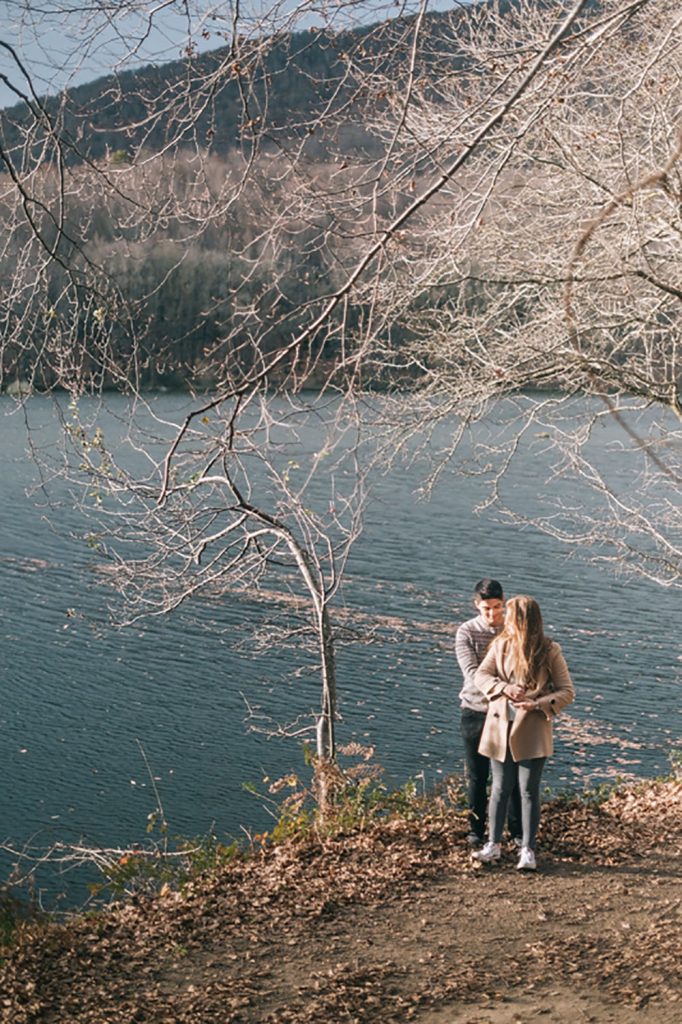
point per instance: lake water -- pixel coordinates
(78, 697)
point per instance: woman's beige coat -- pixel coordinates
(531, 731)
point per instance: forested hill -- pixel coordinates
(199, 277)
(275, 84)
(199, 214)
(116, 113)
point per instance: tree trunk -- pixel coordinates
(326, 746)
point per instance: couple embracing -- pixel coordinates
(515, 682)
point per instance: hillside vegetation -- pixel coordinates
(179, 173)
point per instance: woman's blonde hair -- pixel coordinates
(524, 637)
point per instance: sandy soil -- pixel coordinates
(391, 925)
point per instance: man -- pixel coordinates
(472, 641)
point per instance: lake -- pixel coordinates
(79, 697)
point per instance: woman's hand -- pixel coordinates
(515, 693)
(527, 705)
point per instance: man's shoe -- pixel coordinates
(489, 853)
(527, 860)
(474, 841)
(518, 842)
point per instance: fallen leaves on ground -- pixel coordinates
(387, 925)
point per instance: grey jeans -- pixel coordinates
(505, 774)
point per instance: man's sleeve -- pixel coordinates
(487, 679)
(466, 654)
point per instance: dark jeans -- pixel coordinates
(525, 776)
(477, 772)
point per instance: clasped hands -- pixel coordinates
(517, 695)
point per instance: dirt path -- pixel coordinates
(389, 926)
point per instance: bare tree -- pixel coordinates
(215, 502)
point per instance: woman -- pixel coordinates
(525, 678)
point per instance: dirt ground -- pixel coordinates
(390, 925)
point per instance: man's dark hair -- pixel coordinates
(488, 590)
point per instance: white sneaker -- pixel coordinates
(527, 860)
(489, 853)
